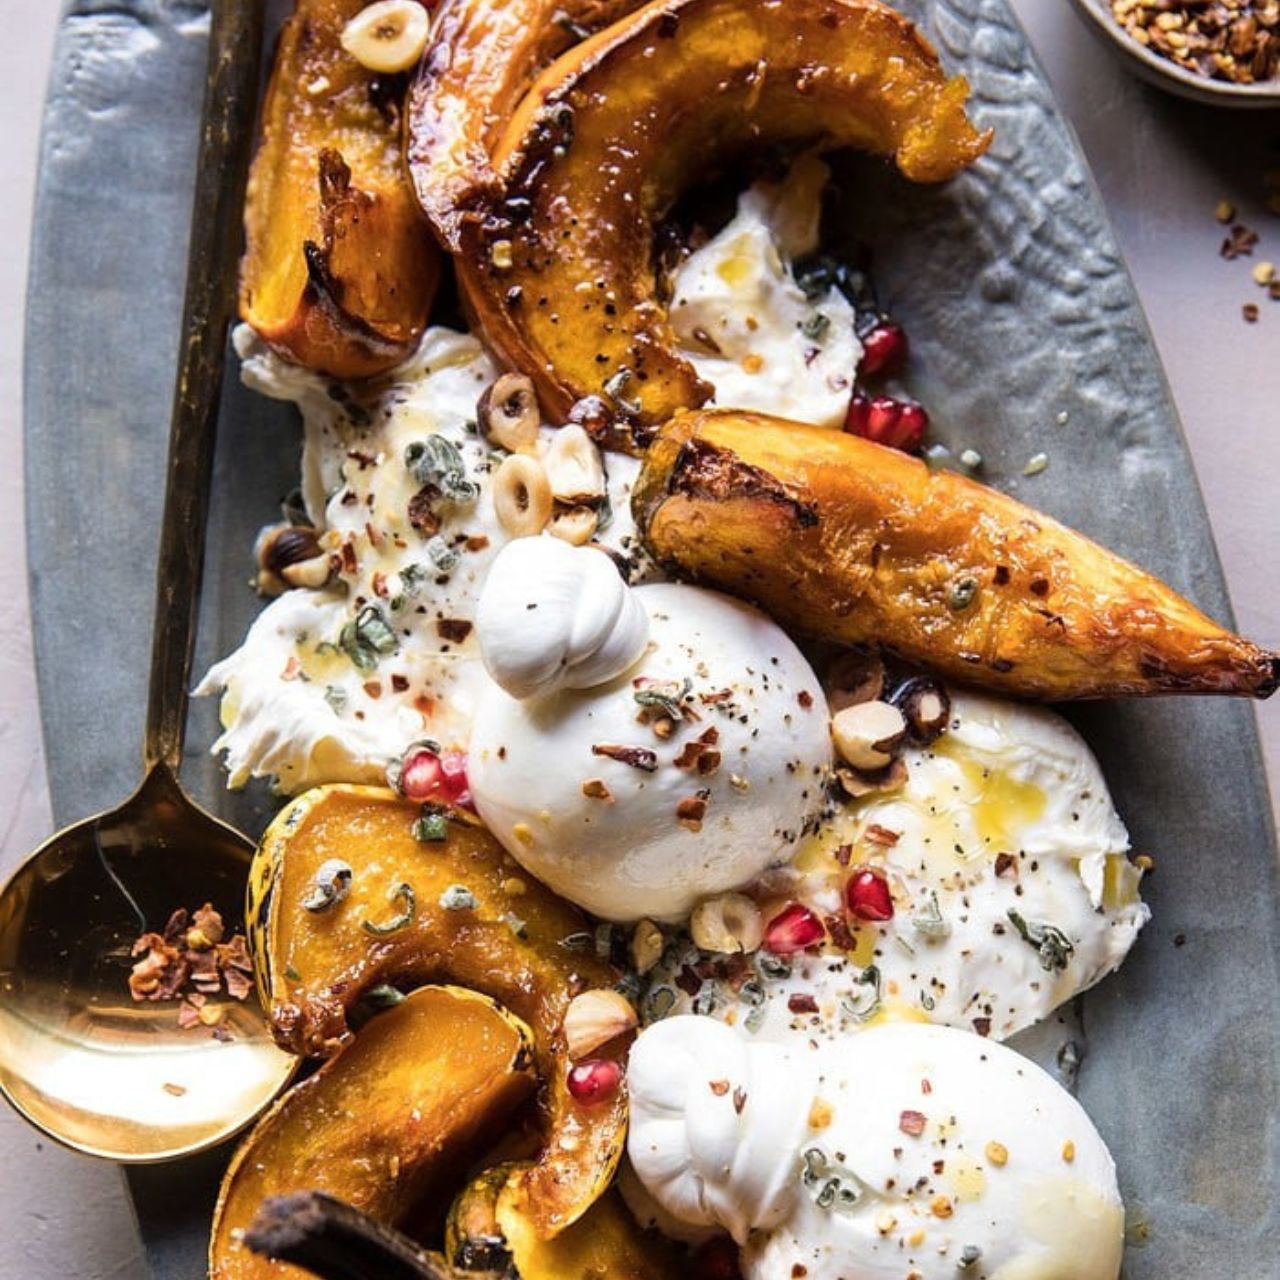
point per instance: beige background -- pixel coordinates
(1162, 168)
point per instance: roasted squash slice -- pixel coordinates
(841, 538)
(340, 269)
(456, 910)
(482, 58)
(395, 1116)
(560, 275)
(490, 1231)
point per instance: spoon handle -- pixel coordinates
(226, 136)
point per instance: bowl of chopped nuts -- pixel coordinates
(1221, 52)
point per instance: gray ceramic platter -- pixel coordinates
(1028, 338)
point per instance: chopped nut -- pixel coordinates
(1264, 273)
(522, 496)
(866, 733)
(821, 1114)
(597, 789)
(574, 468)
(727, 924)
(594, 1018)
(885, 1222)
(1225, 211)
(852, 678)
(998, 1154)
(690, 811)
(507, 414)
(647, 944)
(574, 525)
(941, 1207)
(501, 255)
(1068, 1151)
(387, 37)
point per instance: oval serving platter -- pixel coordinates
(1028, 337)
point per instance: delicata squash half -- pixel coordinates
(433, 901)
(845, 539)
(339, 270)
(399, 1114)
(482, 57)
(559, 272)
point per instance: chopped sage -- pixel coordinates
(336, 698)
(292, 974)
(930, 922)
(963, 592)
(665, 697)
(457, 897)
(330, 884)
(970, 1256)
(366, 639)
(437, 461)
(518, 927)
(442, 556)
(865, 1003)
(383, 996)
(399, 892)
(1055, 948)
(577, 942)
(815, 327)
(432, 826)
(829, 1183)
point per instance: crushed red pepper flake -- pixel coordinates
(190, 961)
(912, 1123)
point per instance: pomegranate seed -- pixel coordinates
(883, 349)
(421, 774)
(453, 770)
(717, 1260)
(867, 896)
(900, 424)
(792, 929)
(594, 1081)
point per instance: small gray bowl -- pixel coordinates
(1166, 74)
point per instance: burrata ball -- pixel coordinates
(693, 772)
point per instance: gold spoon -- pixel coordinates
(78, 1057)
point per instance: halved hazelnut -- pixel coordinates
(507, 414)
(575, 525)
(855, 783)
(727, 924)
(281, 552)
(574, 468)
(853, 677)
(594, 1018)
(867, 733)
(388, 36)
(522, 496)
(925, 704)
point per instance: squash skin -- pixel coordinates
(454, 1058)
(684, 83)
(340, 270)
(851, 541)
(482, 58)
(337, 960)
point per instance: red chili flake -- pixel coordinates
(455, 630)
(844, 854)
(800, 1003)
(594, 1081)
(718, 1087)
(373, 688)
(1250, 312)
(1006, 863)
(793, 929)
(926, 1087)
(349, 563)
(881, 835)
(636, 757)
(982, 1026)
(867, 896)
(375, 538)
(399, 683)
(477, 542)
(292, 668)
(841, 934)
(688, 981)
(691, 810)
(422, 514)
(805, 699)
(912, 1123)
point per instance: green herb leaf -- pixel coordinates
(336, 698)
(963, 593)
(930, 922)
(457, 897)
(367, 638)
(439, 462)
(330, 884)
(815, 327)
(432, 826)
(667, 697)
(400, 892)
(1055, 948)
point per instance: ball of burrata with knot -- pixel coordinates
(688, 771)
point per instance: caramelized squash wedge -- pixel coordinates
(560, 273)
(848, 540)
(482, 58)
(456, 910)
(490, 1231)
(394, 1117)
(340, 269)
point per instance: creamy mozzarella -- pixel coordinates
(904, 1150)
(1008, 811)
(554, 616)
(583, 788)
(296, 706)
(745, 323)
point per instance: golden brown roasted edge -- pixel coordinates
(844, 539)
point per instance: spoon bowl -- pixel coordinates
(95, 1069)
